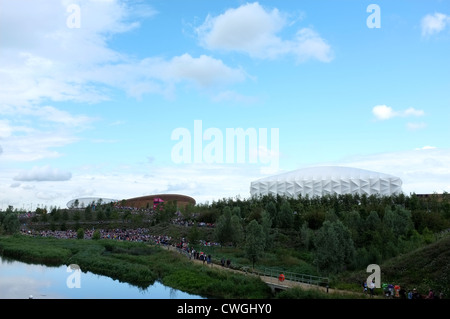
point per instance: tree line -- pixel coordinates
(340, 231)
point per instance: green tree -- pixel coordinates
(237, 232)
(223, 230)
(80, 233)
(166, 211)
(10, 223)
(306, 236)
(398, 220)
(271, 209)
(44, 217)
(236, 211)
(285, 216)
(315, 218)
(266, 223)
(88, 213)
(334, 247)
(254, 242)
(187, 211)
(372, 230)
(108, 212)
(55, 213)
(100, 214)
(193, 234)
(115, 215)
(76, 216)
(353, 222)
(96, 235)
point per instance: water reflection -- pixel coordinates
(20, 280)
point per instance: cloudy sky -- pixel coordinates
(119, 99)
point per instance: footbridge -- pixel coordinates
(278, 279)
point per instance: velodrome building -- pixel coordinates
(327, 180)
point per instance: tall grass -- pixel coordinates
(139, 264)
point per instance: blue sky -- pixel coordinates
(92, 92)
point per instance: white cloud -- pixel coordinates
(384, 112)
(427, 147)
(433, 24)
(43, 59)
(30, 148)
(25, 143)
(309, 45)
(422, 171)
(254, 30)
(248, 28)
(204, 70)
(201, 181)
(416, 126)
(41, 174)
(412, 112)
(5, 128)
(159, 76)
(45, 113)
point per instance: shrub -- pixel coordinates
(80, 233)
(96, 235)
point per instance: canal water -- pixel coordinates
(20, 280)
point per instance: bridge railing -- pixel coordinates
(274, 273)
(296, 277)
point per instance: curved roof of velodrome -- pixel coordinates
(327, 173)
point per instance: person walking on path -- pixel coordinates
(372, 288)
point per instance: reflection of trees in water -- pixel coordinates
(173, 293)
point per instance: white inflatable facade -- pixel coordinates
(327, 180)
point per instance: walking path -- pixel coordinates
(285, 284)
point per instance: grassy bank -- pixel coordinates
(139, 264)
(422, 268)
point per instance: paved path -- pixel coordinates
(269, 280)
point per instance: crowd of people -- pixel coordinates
(398, 292)
(135, 235)
(184, 247)
(189, 223)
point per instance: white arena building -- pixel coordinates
(327, 180)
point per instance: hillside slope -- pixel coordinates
(423, 268)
